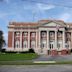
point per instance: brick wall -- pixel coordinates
(10, 38)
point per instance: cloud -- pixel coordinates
(44, 6)
(39, 6)
(4, 14)
(65, 16)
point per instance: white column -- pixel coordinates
(71, 40)
(39, 40)
(13, 40)
(55, 39)
(63, 39)
(36, 39)
(20, 39)
(28, 39)
(48, 40)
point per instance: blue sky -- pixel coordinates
(32, 11)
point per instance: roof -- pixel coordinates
(35, 24)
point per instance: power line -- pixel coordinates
(56, 4)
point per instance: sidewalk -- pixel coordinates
(54, 58)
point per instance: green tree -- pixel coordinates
(2, 41)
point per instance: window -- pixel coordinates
(67, 46)
(58, 45)
(24, 44)
(17, 33)
(32, 44)
(43, 34)
(43, 43)
(17, 45)
(33, 34)
(51, 33)
(51, 45)
(59, 34)
(25, 33)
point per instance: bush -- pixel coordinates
(31, 50)
(3, 50)
(10, 52)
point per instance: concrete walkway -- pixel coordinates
(54, 58)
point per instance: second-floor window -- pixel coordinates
(25, 34)
(17, 33)
(33, 34)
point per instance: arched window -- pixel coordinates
(17, 45)
(25, 44)
(32, 44)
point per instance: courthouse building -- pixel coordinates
(44, 36)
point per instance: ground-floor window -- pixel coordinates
(43, 44)
(58, 45)
(17, 44)
(67, 44)
(51, 46)
(25, 44)
(32, 44)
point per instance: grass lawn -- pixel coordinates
(17, 57)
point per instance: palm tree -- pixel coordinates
(2, 41)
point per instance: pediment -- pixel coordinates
(54, 24)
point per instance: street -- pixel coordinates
(36, 68)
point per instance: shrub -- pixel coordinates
(10, 52)
(3, 50)
(31, 50)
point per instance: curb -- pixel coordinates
(44, 62)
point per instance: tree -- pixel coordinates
(2, 41)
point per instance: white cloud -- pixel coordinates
(44, 6)
(65, 16)
(4, 14)
(39, 6)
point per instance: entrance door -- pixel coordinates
(51, 45)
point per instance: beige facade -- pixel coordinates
(44, 36)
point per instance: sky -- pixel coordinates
(32, 11)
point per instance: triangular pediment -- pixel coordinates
(52, 23)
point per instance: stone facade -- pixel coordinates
(45, 37)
